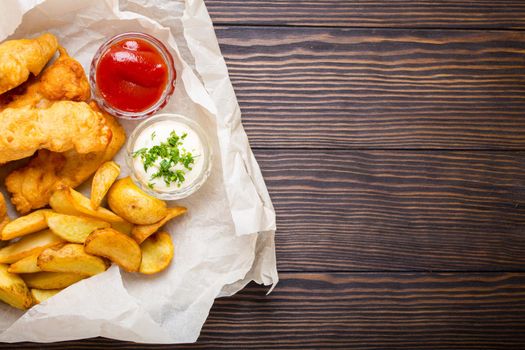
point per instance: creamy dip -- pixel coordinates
(168, 156)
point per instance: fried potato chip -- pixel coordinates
(70, 258)
(13, 290)
(141, 232)
(116, 246)
(51, 280)
(41, 295)
(28, 245)
(26, 224)
(102, 181)
(66, 200)
(73, 228)
(135, 205)
(157, 253)
(25, 265)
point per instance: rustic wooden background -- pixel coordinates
(391, 135)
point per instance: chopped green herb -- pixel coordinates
(169, 153)
(140, 152)
(153, 134)
(150, 185)
(187, 160)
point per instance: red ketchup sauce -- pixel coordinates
(131, 75)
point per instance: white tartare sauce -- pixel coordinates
(157, 134)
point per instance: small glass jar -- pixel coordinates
(148, 130)
(168, 88)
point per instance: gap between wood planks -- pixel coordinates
(223, 25)
(361, 149)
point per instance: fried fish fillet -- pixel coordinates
(63, 126)
(64, 79)
(19, 58)
(31, 186)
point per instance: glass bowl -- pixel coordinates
(139, 176)
(168, 89)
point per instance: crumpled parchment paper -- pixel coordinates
(226, 239)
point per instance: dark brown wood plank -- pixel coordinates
(364, 311)
(397, 210)
(341, 88)
(366, 13)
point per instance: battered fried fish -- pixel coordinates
(32, 186)
(61, 127)
(19, 58)
(64, 79)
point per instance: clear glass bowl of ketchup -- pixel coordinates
(132, 75)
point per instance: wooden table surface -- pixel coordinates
(391, 134)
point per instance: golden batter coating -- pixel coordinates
(32, 185)
(63, 126)
(20, 58)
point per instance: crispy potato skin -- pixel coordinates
(28, 245)
(157, 253)
(41, 295)
(115, 246)
(51, 280)
(13, 290)
(66, 200)
(141, 232)
(70, 258)
(72, 228)
(104, 177)
(124, 227)
(134, 205)
(25, 265)
(24, 225)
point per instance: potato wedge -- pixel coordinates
(66, 200)
(133, 204)
(25, 265)
(73, 228)
(28, 245)
(102, 181)
(41, 295)
(141, 232)
(4, 223)
(116, 246)
(157, 253)
(70, 258)
(124, 227)
(13, 290)
(51, 280)
(62, 202)
(83, 204)
(25, 225)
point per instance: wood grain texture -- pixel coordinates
(366, 13)
(363, 311)
(397, 210)
(341, 88)
(315, 102)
